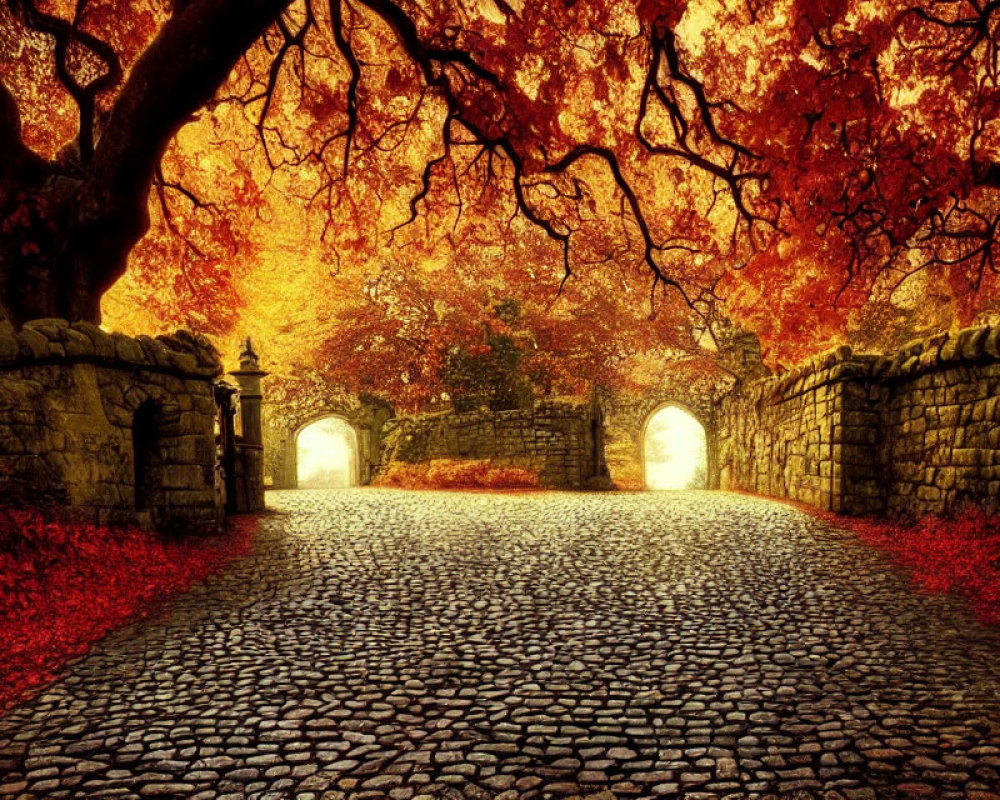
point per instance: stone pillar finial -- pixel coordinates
(248, 376)
(248, 358)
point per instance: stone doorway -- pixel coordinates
(326, 454)
(674, 450)
(146, 456)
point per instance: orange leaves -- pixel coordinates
(821, 15)
(445, 473)
(851, 121)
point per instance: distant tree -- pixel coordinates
(489, 374)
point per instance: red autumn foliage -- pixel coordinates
(959, 555)
(444, 473)
(64, 586)
(819, 172)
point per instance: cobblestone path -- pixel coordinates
(403, 645)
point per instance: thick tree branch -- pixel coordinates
(344, 46)
(19, 165)
(453, 71)
(177, 74)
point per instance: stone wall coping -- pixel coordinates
(834, 366)
(57, 342)
(929, 354)
(941, 351)
(556, 406)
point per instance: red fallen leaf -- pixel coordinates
(63, 587)
(958, 555)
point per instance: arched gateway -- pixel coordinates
(323, 440)
(642, 432)
(326, 454)
(674, 449)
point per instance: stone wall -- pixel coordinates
(560, 440)
(908, 434)
(942, 423)
(79, 406)
(809, 436)
(282, 422)
(628, 413)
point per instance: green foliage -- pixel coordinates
(489, 374)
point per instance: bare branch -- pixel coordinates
(66, 35)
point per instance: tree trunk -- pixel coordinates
(65, 239)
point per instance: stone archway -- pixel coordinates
(282, 423)
(327, 454)
(674, 449)
(627, 415)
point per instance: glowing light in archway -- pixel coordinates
(675, 453)
(326, 455)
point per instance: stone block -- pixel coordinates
(991, 346)
(104, 346)
(928, 493)
(948, 415)
(51, 328)
(77, 344)
(153, 352)
(33, 344)
(184, 476)
(962, 456)
(127, 349)
(951, 350)
(185, 363)
(9, 348)
(973, 342)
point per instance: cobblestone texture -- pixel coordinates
(403, 645)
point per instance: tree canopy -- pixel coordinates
(359, 183)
